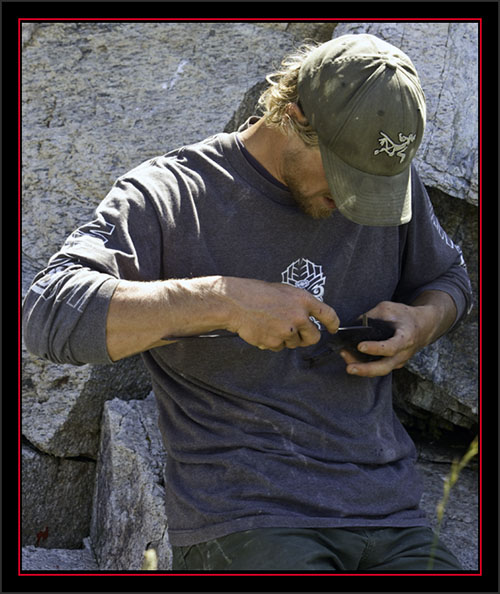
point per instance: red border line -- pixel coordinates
(19, 284)
(480, 290)
(333, 574)
(251, 19)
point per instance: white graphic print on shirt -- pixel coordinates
(304, 274)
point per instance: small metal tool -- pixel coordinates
(225, 334)
(217, 334)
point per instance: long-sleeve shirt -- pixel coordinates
(253, 438)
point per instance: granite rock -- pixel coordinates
(459, 529)
(58, 560)
(99, 98)
(56, 499)
(129, 513)
(62, 405)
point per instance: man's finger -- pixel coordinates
(385, 348)
(382, 366)
(325, 314)
(308, 334)
(294, 340)
(373, 369)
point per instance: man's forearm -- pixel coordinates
(141, 313)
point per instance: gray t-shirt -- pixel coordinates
(253, 438)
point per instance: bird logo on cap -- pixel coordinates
(389, 147)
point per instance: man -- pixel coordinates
(303, 221)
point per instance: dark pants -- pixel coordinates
(317, 549)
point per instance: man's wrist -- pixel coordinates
(437, 313)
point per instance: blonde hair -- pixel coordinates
(282, 91)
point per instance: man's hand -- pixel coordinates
(431, 314)
(275, 316)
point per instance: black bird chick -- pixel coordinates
(375, 330)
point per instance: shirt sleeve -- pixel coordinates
(430, 260)
(65, 310)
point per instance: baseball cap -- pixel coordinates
(363, 98)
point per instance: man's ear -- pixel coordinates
(295, 112)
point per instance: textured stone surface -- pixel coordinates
(459, 529)
(62, 405)
(129, 514)
(446, 57)
(444, 379)
(99, 98)
(34, 559)
(56, 500)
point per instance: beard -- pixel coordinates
(311, 205)
(308, 207)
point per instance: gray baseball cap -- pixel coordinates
(363, 98)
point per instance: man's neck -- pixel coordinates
(266, 145)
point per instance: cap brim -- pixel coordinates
(366, 199)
